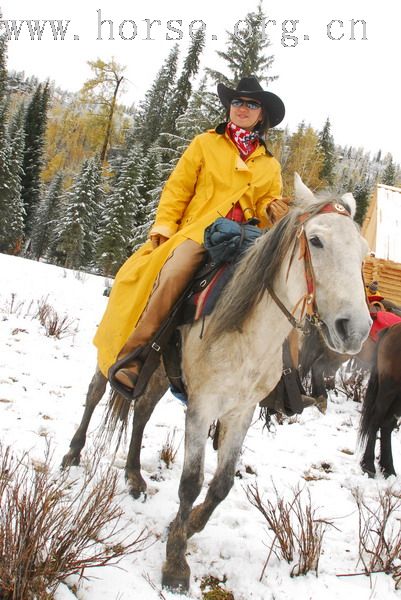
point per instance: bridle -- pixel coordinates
(307, 302)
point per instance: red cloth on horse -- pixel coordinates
(382, 320)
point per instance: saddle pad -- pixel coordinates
(382, 320)
(207, 298)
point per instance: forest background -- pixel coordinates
(81, 173)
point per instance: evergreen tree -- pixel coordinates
(150, 185)
(11, 206)
(152, 110)
(362, 192)
(3, 66)
(246, 52)
(35, 127)
(119, 214)
(3, 117)
(389, 173)
(75, 234)
(182, 92)
(46, 217)
(200, 115)
(327, 146)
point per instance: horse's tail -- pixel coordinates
(369, 415)
(115, 420)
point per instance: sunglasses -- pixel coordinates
(252, 104)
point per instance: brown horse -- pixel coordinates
(382, 404)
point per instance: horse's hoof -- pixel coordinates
(178, 583)
(70, 460)
(371, 473)
(321, 404)
(388, 473)
(136, 485)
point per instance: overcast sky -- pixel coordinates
(322, 70)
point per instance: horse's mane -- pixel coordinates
(255, 272)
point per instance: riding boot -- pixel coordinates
(171, 282)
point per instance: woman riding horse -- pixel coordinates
(227, 171)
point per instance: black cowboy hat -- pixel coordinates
(251, 88)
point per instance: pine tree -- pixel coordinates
(200, 115)
(361, 193)
(152, 110)
(327, 146)
(4, 173)
(119, 214)
(246, 53)
(75, 234)
(150, 185)
(389, 174)
(3, 66)
(11, 206)
(178, 103)
(46, 217)
(35, 127)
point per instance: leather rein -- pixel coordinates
(308, 300)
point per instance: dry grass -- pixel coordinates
(169, 451)
(352, 382)
(297, 532)
(16, 307)
(52, 527)
(213, 588)
(54, 324)
(380, 533)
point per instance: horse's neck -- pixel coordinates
(266, 328)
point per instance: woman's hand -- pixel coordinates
(157, 240)
(277, 209)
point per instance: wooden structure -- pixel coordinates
(382, 230)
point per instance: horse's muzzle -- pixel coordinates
(347, 336)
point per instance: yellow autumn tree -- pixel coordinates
(75, 133)
(305, 156)
(100, 93)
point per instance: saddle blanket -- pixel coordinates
(382, 320)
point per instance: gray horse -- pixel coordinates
(289, 271)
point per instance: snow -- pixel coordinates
(43, 383)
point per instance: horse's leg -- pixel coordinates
(95, 392)
(368, 458)
(386, 455)
(144, 408)
(231, 436)
(176, 571)
(317, 379)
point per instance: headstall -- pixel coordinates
(308, 301)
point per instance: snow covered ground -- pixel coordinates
(43, 383)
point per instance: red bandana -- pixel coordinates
(246, 141)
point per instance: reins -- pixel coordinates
(307, 302)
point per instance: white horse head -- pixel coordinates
(337, 251)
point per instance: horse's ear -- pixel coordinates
(303, 195)
(350, 203)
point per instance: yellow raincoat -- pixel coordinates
(208, 180)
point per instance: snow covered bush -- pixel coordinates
(52, 527)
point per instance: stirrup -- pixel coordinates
(120, 388)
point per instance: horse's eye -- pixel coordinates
(315, 241)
